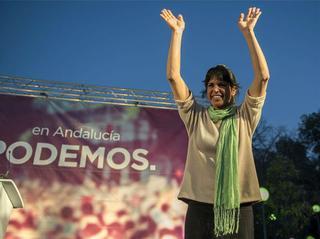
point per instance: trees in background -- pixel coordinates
(289, 167)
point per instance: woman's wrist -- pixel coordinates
(248, 32)
(177, 31)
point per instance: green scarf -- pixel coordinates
(227, 193)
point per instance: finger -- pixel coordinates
(249, 13)
(165, 13)
(253, 13)
(258, 15)
(162, 12)
(180, 17)
(163, 16)
(241, 17)
(170, 14)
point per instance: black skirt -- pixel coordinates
(199, 222)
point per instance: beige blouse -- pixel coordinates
(199, 173)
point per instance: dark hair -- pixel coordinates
(221, 72)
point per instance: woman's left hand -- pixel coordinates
(248, 23)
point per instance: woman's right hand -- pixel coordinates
(175, 23)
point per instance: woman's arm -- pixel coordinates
(260, 66)
(177, 25)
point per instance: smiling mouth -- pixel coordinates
(217, 97)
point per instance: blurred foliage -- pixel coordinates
(309, 133)
(288, 166)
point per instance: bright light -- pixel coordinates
(264, 194)
(310, 237)
(272, 217)
(316, 208)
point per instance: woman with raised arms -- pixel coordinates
(220, 182)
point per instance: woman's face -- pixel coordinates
(220, 93)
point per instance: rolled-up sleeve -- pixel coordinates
(250, 111)
(185, 105)
(186, 109)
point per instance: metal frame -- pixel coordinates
(12, 85)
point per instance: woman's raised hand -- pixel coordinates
(175, 23)
(248, 23)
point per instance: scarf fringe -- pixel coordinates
(226, 221)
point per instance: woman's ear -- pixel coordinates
(234, 91)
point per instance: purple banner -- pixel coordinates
(92, 170)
